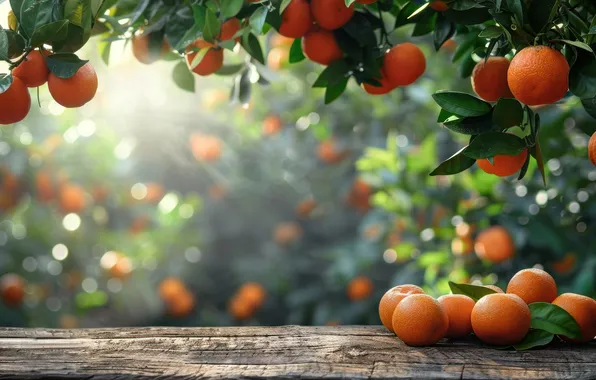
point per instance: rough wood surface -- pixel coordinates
(271, 352)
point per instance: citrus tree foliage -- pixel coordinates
(485, 28)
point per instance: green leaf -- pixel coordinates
(183, 77)
(473, 125)
(64, 65)
(404, 15)
(425, 25)
(296, 53)
(335, 73)
(582, 77)
(245, 88)
(472, 291)
(350, 2)
(335, 90)
(554, 319)
(524, 169)
(230, 69)
(490, 144)
(11, 44)
(53, 31)
(444, 115)
(540, 13)
(360, 29)
(508, 113)
(76, 38)
(590, 106)
(471, 16)
(578, 44)
(464, 48)
(230, 8)
(517, 7)
(5, 82)
(199, 57)
(251, 44)
(534, 338)
(35, 13)
(536, 152)
(212, 26)
(491, 31)
(444, 30)
(257, 20)
(105, 47)
(79, 13)
(461, 104)
(454, 164)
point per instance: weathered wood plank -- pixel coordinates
(271, 352)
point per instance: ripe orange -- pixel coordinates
(320, 46)
(533, 285)
(272, 125)
(75, 91)
(449, 45)
(489, 79)
(278, 58)
(240, 308)
(583, 310)
(538, 75)
(205, 147)
(359, 195)
(155, 192)
(33, 71)
(403, 64)
(14, 102)
(170, 288)
(504, 165)
(329, 152)
(141, 51)
(305, 207)
(331, 14)
(390, 300)
(12, 289)
(420, 320)
(592, 149)
(459, 310)
(121, 267)
(253, 294)
(286, 233)
(296, 20)
(229, 29)
(72, 198)
(501, 319)
(44, 186)
(182, 305)
(211, 61)
(385, 87)
(566, 264)
(359, 288)
(439, 6)
(495, 288)
(494, 244)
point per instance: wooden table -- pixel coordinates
(271, 352)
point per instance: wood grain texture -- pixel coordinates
(272, 352)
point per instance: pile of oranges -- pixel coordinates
(315, 22)
(500, 318)
(33, 72)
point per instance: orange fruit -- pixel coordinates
(252, 293)
(538, 75)
(566, 264)
(141, 51)
(12, 289)
(75, 91)
(450, 45)
(211, 61)
(277, 40)
(182, 305)
(121, 268)
(495, 288)
(14, 102)
(305, 208)
(533, 285)
(155, 192)
(319, 45)
(489, 79)
(205, 147)
(503, 165)
(403, 64)
(331, 14)
(229, 29)
(296, 19)
(329, 152)
(170, 288)
(420, 320)
(359, 288)
(272, 125)
(68, 321)
(390, 300)
(591, 148)
(33, 71)
(385, 87)
(359, 195)
(459, 310)
(286, 233)
(439, 6)
(44, 186)
(494, 244)
(583, 310)
(462, 246)
(72, 198)
(240, 308)
(501, 319)
(278, 58)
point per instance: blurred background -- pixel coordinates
(155, 206)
